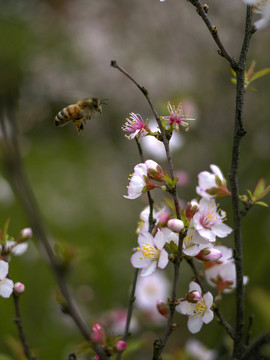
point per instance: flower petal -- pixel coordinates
(163, 259)
(208, 299)
(6, 288)
(208, 316)
(139, 261)
(3, 269)
(193, 286)
(149, 269)
(194, 324)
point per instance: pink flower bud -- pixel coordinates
(193, 297)
(97, 357)
(26, 234)
(120, 346)
(97, 334)
(18, 288)
(175, 225)
(209, 254)
(191, 209)
(163, 308)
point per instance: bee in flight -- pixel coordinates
(81, 112)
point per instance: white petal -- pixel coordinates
(138, 260)
(3, 269)
(208, 316)
(193, 286)
(221, 230)
(140, 170)
(149, 269)
(194, 249)
(206, 180)
(208, 299)
(159, 240)
(194, 324)
(185, 308)
(216, 170)
(163, 259)
(151, 164)
(144, 238)
(6, 288)
(20, 248)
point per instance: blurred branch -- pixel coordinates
(253, 351)
(239, 133)
(18, 322)
(14, 169)
(159, 344)
(202, 11)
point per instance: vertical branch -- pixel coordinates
(239, 133)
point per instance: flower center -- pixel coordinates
(199, 309)
(210, 217)
(150, 251)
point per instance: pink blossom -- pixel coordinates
(136, 126)
(176, 117)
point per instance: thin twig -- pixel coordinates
(13, 165)
(253, 351)
(214, 32)
(250, 324)
(18, 322)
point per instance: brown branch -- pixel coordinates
(214, 32)
(18, 322)
(254, 350)
(239, 133)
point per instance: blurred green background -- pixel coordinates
(54, 53)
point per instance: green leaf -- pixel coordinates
(234, 81)
(259, 74)
(250, 194)
(232, 71)
(261, 203)
(259, 188)
(264, 193)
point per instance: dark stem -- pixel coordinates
(13, 165)
(18, 322)
(159, 344)
(253, 351)
(239, 133)
(214, 32)
(250, 323)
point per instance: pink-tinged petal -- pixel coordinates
(139, 261)
(185, 308)
(194, 324)
(208, 316)
(159, 240)
(144, 238)
(207, 234)
(163, 259)
(221, 230)
(140, 170)
(6, 288)
(216, 170)
(195, 249)
(208, 299)
(151, 164)
(206, 180)
(227, 253)
(198, 239)
(149, 269)
(3, 269)
(193, 286)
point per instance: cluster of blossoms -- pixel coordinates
(201, 223)
(8, 248)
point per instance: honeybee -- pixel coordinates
(81, 112)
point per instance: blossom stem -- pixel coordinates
(22, 336)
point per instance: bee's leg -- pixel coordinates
(79, 126)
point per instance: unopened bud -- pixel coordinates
(26, 234)
(175, 225)
(163, 308)
(97, 357)
(18, 288)
(97, 334)
(209, 254)
(191, 209)
(193, 297)
(120, 346)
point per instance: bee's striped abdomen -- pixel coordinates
(67, 114)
